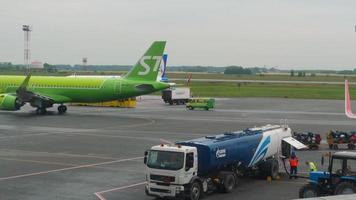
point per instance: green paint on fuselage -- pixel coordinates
(79, 89)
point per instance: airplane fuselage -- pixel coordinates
(81, 89)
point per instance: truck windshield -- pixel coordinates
(165, 160)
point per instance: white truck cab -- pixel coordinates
(169, 168)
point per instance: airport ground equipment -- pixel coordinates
(337, 138)
(120, 103)
(190, 169)
(176, 95)
(312, 140)
(201, 103)
(339, 179)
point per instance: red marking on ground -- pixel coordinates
(100, 194)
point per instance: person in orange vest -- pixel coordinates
(293, 162)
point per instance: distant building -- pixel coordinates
(37, 65)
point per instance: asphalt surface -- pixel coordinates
(93, 153)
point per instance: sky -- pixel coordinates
(288, 34)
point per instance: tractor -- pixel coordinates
(339, 179)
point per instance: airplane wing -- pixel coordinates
(24, 95)
(348, 110)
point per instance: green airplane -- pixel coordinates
(43, 92)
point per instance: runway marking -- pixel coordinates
(37, 161)
(152, 121)
(100, 194)
(116, 136)
(68, 168)
(24, 135)
(62, 164)
(62, 154)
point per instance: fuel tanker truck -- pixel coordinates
(190, 169)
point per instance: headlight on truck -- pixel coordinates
(179, 189)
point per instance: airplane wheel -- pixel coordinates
(62, 109)
(41, 111)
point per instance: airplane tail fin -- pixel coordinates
(348, 110)
(146, 69)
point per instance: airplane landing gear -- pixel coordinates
(41, 111)
(62, 109)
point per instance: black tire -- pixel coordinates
(41, 111)
(309, 191)
(351, 146)
(269, 168)
(229, 183)
(206, 108)
(62, 109)
(345, 188)
(195, 191)
(274, 169)
(170, 102)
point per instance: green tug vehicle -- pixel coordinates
(201, 103)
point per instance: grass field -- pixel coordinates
(324, 77)
(301, 91)
(226, 89)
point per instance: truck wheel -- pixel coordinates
(229, 183)
(195, 191)
(345, 188)
(309, 191)
(274, 169)
(269, 168)
(351, 146)
(170, 102)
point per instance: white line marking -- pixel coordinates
(68, 168)
(99, 194)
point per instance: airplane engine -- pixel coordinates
(9, 102)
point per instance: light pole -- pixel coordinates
(27, 54)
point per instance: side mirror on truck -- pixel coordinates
(189, 163)
(145, 157)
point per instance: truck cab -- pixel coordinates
(169, 169)
(339, 179)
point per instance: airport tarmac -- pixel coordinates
(97, 153)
